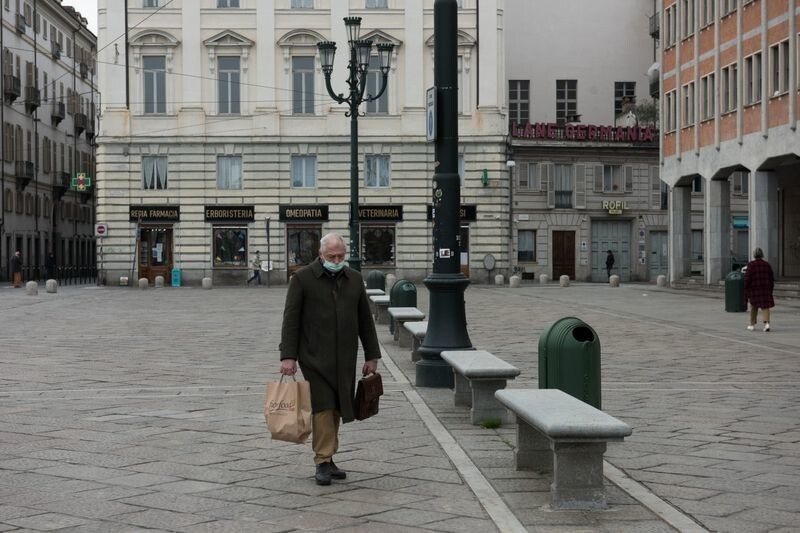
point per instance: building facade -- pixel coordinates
(585, 152)
(223, 141)
(48, 126)
(730, 144)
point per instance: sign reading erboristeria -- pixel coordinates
(584, 132)
(303, 213)
(392, 213)
(154, 213)
(238, 213)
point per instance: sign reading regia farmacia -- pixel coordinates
(584, 132)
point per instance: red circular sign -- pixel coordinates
(101, 230)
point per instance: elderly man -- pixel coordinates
(326, 312)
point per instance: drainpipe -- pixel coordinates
(127, 73)
(2, 138)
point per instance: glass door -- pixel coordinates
(302, 247)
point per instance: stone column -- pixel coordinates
(265, 54)
(413, 45)
(680, 232)
(764, 224)
(717, 230)
(489, 56)
(191, 52)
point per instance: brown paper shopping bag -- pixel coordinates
(287, 409)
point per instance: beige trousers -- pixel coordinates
(17, 280)
(754, 315)
(325, 435)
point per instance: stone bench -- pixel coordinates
(560, 434)
(478, 374)
(416, 330)
(374, 292)
(401, 315)
(381, 305)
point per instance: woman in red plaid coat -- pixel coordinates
(758, 284)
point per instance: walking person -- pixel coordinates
(758, 284)
(255, 264)
(50, 266)
(16, 269)
(609, 262)
(325, 315)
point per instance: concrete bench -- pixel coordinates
(381, 305)
(401, 315)
(560, 434)
(478, 374)
(416, 330)
(374, 292)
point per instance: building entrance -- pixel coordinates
(155, 252)
(614, 235)
(465, 251)
(659, 246)
(302, 247)
(564, 254)
(791, 232)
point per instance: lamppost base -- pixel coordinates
(434, 373)
(354, 263)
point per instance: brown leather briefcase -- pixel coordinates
(368, 393)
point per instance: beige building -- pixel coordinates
(47, 127)
(221, 139)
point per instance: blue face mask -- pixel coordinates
(333, 267)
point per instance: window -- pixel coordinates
(377, 245)
(153, 3)
(566, 100)
(779, 68)
(227, 3)
(697, 184)
(377, 171)
(303, 85)
(707, 12)
(374, 81)
(697, 245)
(729, 79)
(528, 177)
(707, 97)
(377, 4)
(304, 171)
(519, 101)
(155, 84)
(688, 104)
(229, 172)
(670, 26)
(526, 246)
(624, 92)
(230, 247)
(612, 178)
(563, 185)
(154, 172)
(302, 4)
(726, 7)
(228, 86)
(752, 79)
(687, 18)
(741, 183)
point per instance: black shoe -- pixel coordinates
(336, 472)
(323, 474)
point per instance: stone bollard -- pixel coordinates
(499, 279)
(563, 281)
(143, 283)
(661, 280)
(514, 281)
(31, 288)
(614, 281)
(544, 278)
(159, 282)
(51, 286)
(123, 281)
(207, 283)
(391, 279)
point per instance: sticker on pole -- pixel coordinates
(445, 253)
(430, 114)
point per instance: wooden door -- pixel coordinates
(563, 254)
(155, 253)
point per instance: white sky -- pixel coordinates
(87, 8)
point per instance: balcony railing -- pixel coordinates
(61, 184)
(80, 123)
(11, 87)
(57, 113)
(90, 128)
(84, 68)
(655, 26)
(654, 89)
(23, 171)
(32, 99)
(21, 23)
(55, 49)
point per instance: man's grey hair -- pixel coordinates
(758, 253)
(327, 238)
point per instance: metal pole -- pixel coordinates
(355, 256)
(269, 267)
(447, 323)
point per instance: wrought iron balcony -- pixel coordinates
(655, 89)
(11, 87)
(32, 99)
(57, 113)
(21, 23)
(55, 49)
(84, 68)
(61, 184)
(23, 171)
(655, 26)
(90, 128)
(80, 123)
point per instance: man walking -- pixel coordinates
(609, 263)
(16, 269)
(326, 313)
(255, 264)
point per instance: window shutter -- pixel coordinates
(655, 193)
(522, 176)
(547, 184)
(628, 178)
(598, 178)
(580, 187)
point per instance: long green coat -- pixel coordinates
(322, 322)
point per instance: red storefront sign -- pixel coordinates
(584, 132)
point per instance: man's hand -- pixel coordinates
(288, 367)
(370, 367)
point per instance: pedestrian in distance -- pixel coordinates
(326, 313)
(16, 269)
(609, 262)
(759, 282)
(50, 266)
(255, 264)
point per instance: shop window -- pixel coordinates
(304, 171)
(526, 247)
(377, 171)
(230, 247)
(154, 172)
(378, 245)
(229, 172)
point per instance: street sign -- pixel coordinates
(430, 114)
(100, 230)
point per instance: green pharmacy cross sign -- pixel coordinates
(81, 182)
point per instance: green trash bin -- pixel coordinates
(569, 360)
(402, 294)
(376, 279)
(735, 301)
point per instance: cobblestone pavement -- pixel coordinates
(127, 410)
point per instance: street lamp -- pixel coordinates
(358, 67)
